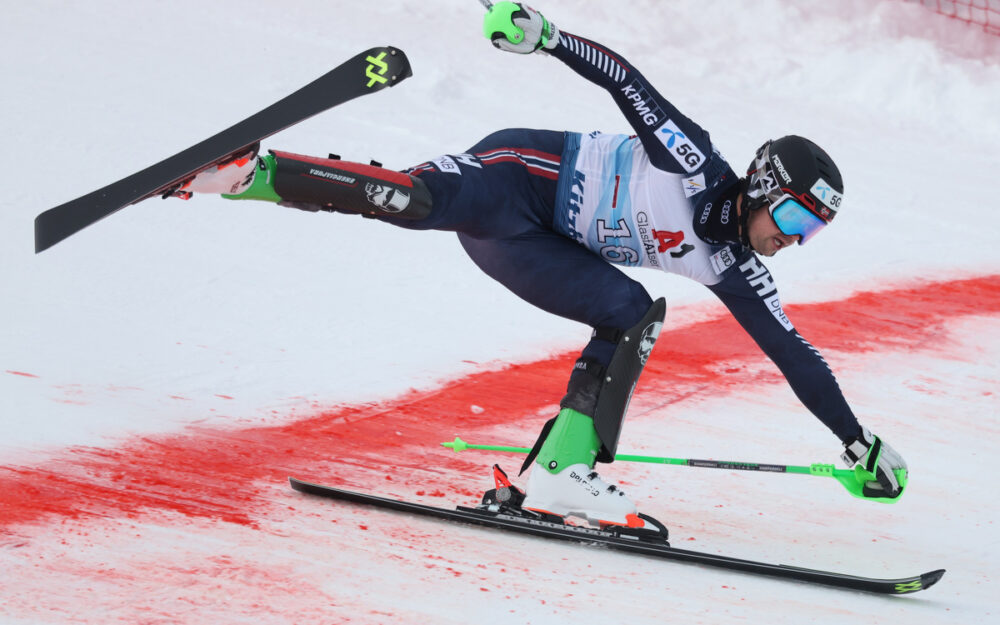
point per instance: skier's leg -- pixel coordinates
(314, 184)
(561, 277)
(503, 186)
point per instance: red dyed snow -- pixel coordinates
(21, 373)
(231, 474)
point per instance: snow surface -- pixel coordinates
(173, 315)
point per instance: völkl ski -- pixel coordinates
(367, 72)
(496, 514)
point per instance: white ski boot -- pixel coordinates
(579, 491)
(232, 176)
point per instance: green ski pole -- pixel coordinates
(851, 479)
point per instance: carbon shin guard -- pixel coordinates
(605, 392)
(350, 187)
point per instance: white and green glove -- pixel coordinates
(877, 465)
(516, 27)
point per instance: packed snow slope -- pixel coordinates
(162, 371)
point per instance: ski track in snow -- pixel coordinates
(200, 526)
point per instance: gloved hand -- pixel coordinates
(518, 28)
(877, 465)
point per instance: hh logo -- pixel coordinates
(760, 279)
(376, 63)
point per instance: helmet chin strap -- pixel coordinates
(743, 210)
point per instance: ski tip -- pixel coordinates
(404, 70)
(929, 579)
(45, 237)
(386, 66)
(915, 584)
(305, 487)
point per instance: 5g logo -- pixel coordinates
(677, 143)
(672, 136)
(827, 194)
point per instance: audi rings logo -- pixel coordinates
(725, 211)
(705, 214)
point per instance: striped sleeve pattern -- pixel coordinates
(591, 53)
(642, 105)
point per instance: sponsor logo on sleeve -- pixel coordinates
(722, 260)
(706, 212)
(726, 211)
(447, 165)
(682, 148)
(760, 279)
(470, 160)
(774, 305)
(643, 103)
(694, 185)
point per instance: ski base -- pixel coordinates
(500, 517)
(367, 72)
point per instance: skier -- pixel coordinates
(548, 213)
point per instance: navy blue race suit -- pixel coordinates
(548, 215)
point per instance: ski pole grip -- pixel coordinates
(825, 470)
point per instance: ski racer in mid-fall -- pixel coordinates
(548, 214)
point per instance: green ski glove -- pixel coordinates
(877, 465)
(518, 28)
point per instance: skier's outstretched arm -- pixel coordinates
(673, 142)
(749, 293)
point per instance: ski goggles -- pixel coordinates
(789, 211)
(793, 218)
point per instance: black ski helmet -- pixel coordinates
(795, 166)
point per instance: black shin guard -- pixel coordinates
(604, 393)
(352, 187)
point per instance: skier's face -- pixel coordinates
(765, 237)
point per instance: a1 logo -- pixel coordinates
(668, 240)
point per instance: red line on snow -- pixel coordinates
(226, 475)
(21, 373)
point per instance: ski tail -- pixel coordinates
(367, 72)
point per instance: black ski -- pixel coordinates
(549, 529)
(367, 72)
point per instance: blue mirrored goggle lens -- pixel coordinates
(794, 218)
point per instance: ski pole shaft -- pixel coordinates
(847, 477)
(459, 445)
